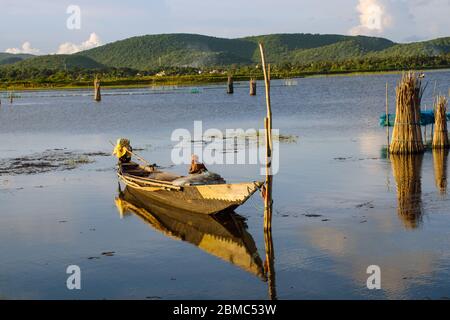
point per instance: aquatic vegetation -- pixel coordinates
(252, 135)
(49, 160)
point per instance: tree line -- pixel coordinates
(11, 75)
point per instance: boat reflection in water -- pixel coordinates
(407, 173)
(223, 235)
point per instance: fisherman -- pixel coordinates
(196, 166)
(123, 150)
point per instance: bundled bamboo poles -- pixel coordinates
(407, 173)
(407, 133)
(440, 135)
(440, 157)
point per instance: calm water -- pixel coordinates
(339, 204)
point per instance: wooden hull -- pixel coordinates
(206, 199)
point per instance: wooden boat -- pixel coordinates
(205, 198)
(223, 235)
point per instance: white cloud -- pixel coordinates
(69, 47)
(373, 18)
(26, 48)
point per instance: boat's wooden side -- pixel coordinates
(207, 199)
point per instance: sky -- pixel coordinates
(60, 26)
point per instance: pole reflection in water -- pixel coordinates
(269, 264)
(223, 235)
(440, 157)
(407, 173)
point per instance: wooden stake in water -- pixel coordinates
(252, 87)
(97, 94)
(230, 87)
(425, 129)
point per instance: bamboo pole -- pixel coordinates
(425, 129)
(434, 97)
(268, 203)
(266, 71)
(137, 156)
(387, 117)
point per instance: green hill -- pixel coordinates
(58, 62)
(426, 48)
(181, 50)
(298, 48)
(348, 48)
(10, 58)
(151, 52)
(177, 50)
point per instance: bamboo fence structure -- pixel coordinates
(440, 136)
(440, 157)
(407, 133)
(407, 173)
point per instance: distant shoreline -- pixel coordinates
(188, 80)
